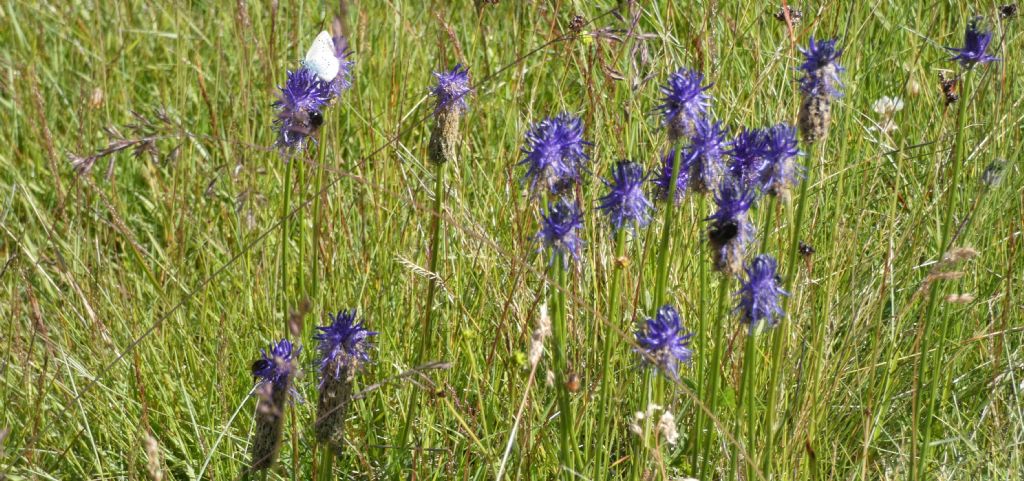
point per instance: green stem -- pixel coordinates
(326, 467)
(928, 415)
(426, 336)
(566, 456)
(715, 373)
(284, 241)
(699, 341)
(601, 469)
(317, 207)
(664, 250)
(746, 404)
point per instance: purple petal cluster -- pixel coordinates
(559, 230)
(276, 364)
(625, 203)
(451, 89)
(684, 101)
(342, 81)
(704, 155)
(780, 171)
(299, 102)
(821, 68)
(342, 343)
(748, 156)
(555, 156)
(664, 343)
(760, 294)
(730, 230)
(976, 41)
(663, 181)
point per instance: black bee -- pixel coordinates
(778, 279)
(795, 15)
(1008, 11)
(721, 233)
(949, 88)
(301, 123)
(805, 249)
(258, 366)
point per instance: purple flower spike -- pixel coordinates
(760, 294)
(704, 155)
(299, 107)
(730, 230)
(277, 365)
(343, 343)
(821, 68)
(664, 343)
(342, 81)
(555, 156)
(684, 101)
(748, 156)
(663, 181)
(451, 89)
(559, 230)
(625, 203)
(976, 41)
(780, 172)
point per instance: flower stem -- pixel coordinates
(566, 453)
(601, 470)
(927, 416)
(664, 249)
(283, 289)
(715, 373)
(426, 336)
(699, 340)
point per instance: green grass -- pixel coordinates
(134, 298)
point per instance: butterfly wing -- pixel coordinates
(320, 58)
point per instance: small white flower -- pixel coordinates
(887, 106)
(667, 427)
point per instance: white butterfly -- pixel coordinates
(320, 58)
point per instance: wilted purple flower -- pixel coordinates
(780, 171)
(819, 84)
(273, 372)
(342, 81)
(976, 40)
(730, 230)
(451, 89)
(558, 230)
(663, 181)
(299, 104)
(343, 347)
(664, 343)
(760, 294)
(342, 343)
(821, 68)
(748, 156)
(683, 102)
(554, 152)
(625, 202)
(704, 155)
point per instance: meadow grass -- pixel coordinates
(136, 296)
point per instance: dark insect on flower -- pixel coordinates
(664, 343)
(976, 41)
(555, 152)
(274, 372)
(663, 180)
(949, 86)
(704, 155)
(1008, 11)
(344, 346)
(299, 103)
(625, 203)
(683, 102)
(805, 249)
(451, 91)
(730, 231)
(795, 15)
(559, 230)
(577, 23)
(759, 295)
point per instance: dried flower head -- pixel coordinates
(343, 347)
(559, 230)
(760, 294)
(730, 230)
(683, 102)
(663, 181)
(451, 91)
(664, 343)
(555, 155)
(704, 155)
(976, 41)
(625, 203)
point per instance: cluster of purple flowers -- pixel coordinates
(304, 95)
(764, 159)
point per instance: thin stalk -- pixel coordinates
(566, 455)
(715, 373)
(284, 241)
(745, 405)
(780, 332)
(317, 206)
(664, 250)
(326, 464)
(928, 415)
(426, 336)
(699, 341)
(601, 470)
